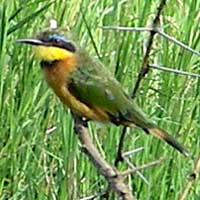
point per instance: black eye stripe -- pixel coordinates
(65, 45)
(69, 46)
(58, 41)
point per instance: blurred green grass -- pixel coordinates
(37, 165)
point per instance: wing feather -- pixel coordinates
(95, 86)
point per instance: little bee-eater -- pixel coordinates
(88, 88)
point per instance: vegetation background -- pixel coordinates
(36, 164)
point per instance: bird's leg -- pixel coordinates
(119, 157)
(78, 120)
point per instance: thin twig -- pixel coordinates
(145, 166)
(132, 166)
(123, 156)
(133, 151)
(174, 40)
(145, 68)
(142, 73)
(123, 28)
(119, 157)
(192, 178)
(157, 30)
(176, 71)
(113, 177)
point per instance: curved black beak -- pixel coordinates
(30, 41)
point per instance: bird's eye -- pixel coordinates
(56, 41)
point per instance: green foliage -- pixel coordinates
(36, 164)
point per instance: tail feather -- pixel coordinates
(163, 135)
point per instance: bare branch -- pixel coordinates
(192, 178)
(123, 28)
(132, 166)
(145, 166)
(128, 153)
(113, 177)
(128, 172)
(144, 70)
(119, 157)
(176, 71)
(158, 31)
(174, 40)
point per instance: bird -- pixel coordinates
(87, 87)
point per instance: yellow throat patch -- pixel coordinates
(49, 53)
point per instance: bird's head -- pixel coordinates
(50, 46)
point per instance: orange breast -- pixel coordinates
(58, 73)
(57, 76)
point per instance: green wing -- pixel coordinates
(94, 85)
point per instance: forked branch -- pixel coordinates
(192, 178)
(143, 71)
(115, 180)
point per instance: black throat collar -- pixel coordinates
(48, 64)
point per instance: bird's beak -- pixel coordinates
(30, 41)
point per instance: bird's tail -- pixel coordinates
(163, 135)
